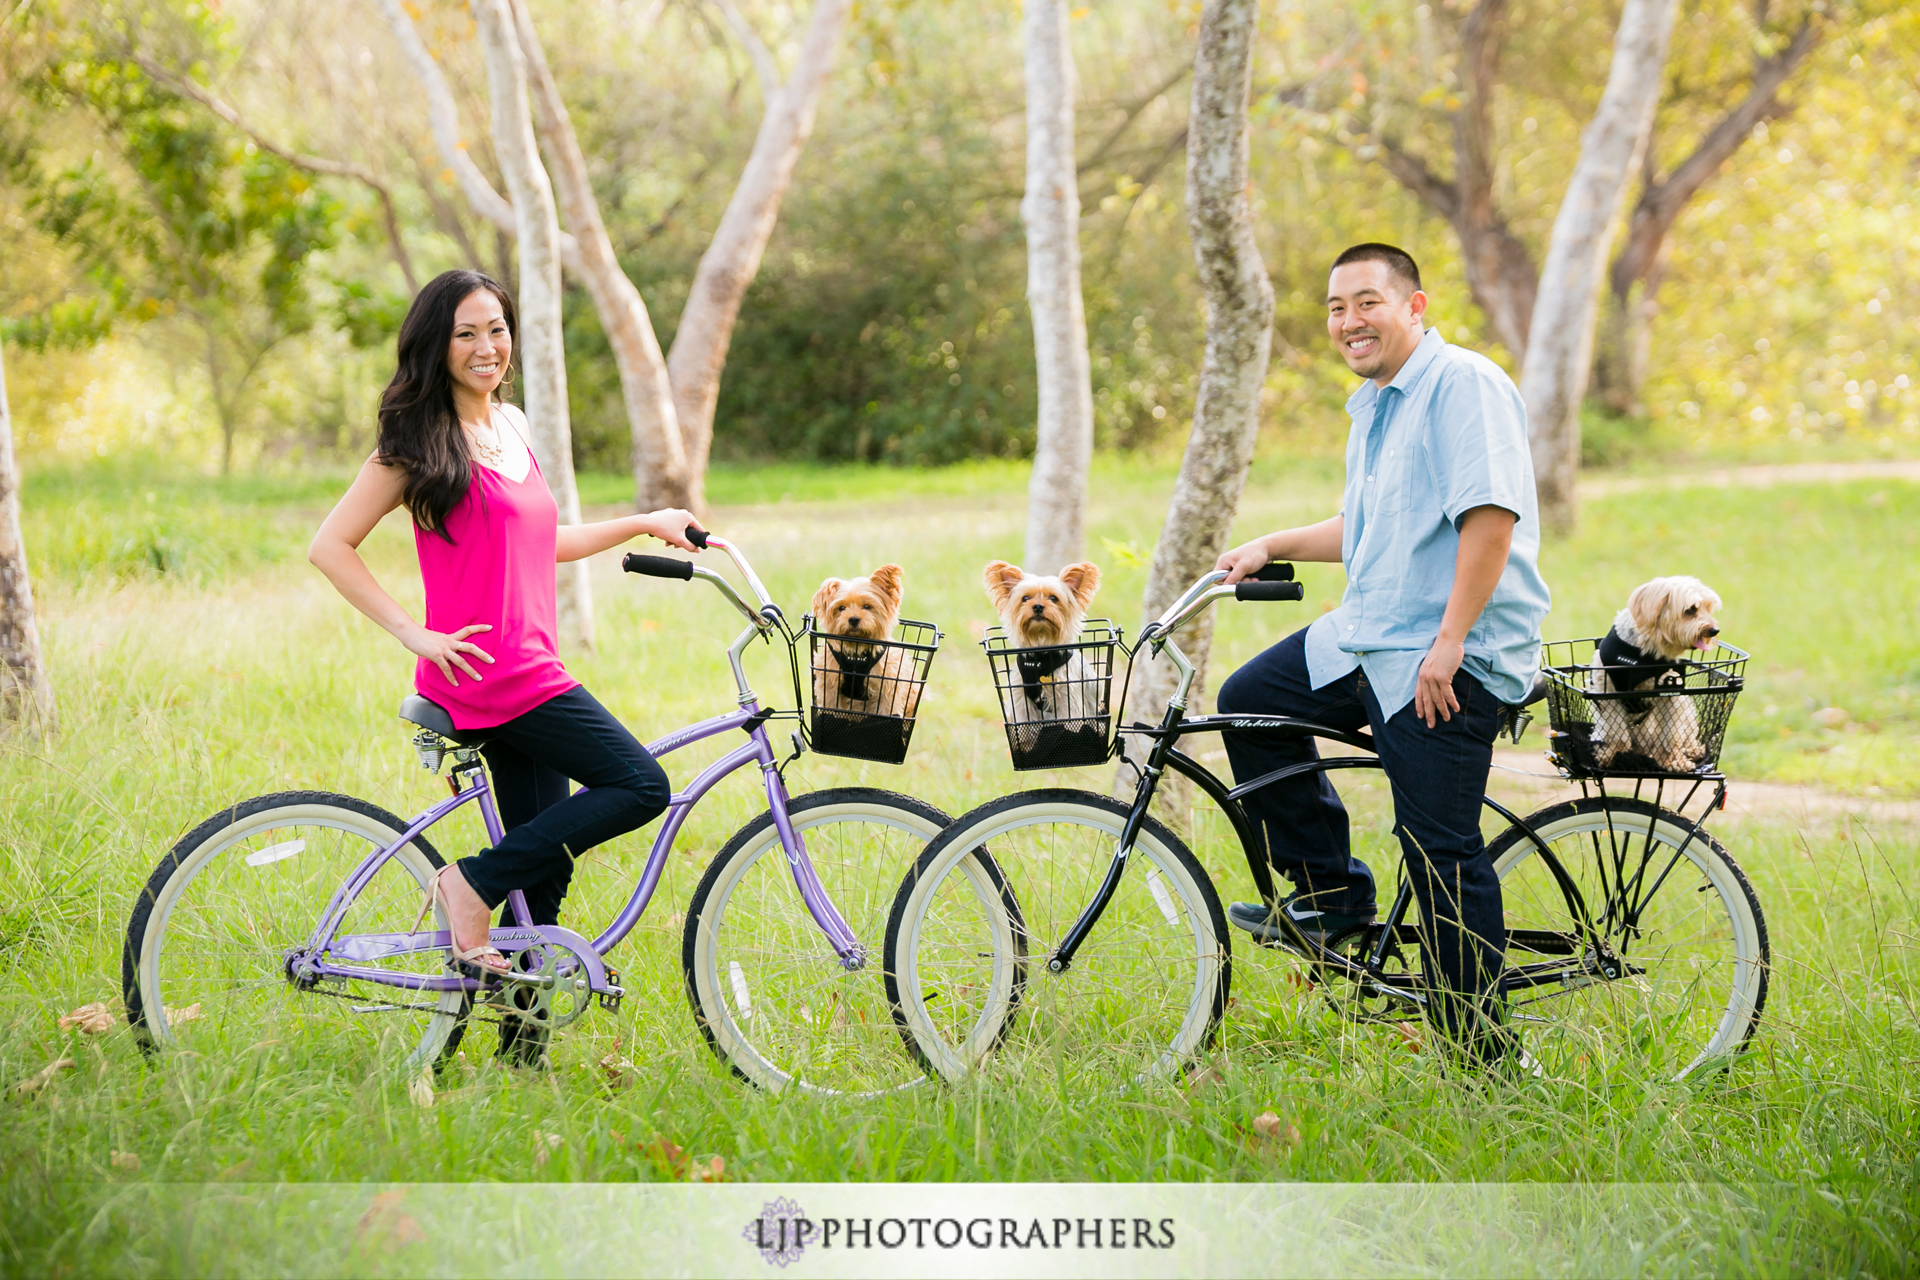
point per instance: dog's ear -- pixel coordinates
(1702, 595)
(1001, 579)
(888, 580)
(1083, 580)
(1645, 604)
(825, 595)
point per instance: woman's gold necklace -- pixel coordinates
(488, 448)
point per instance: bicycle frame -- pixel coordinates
(321, 958)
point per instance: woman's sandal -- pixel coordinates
(480, 962)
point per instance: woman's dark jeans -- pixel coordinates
(1438, 777)
(530, 758)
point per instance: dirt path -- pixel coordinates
(1755, 477)
(1524, 777)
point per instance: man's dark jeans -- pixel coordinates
(530, 758)
(1438, 777)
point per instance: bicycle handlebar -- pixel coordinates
(657, 566)
(697, 536)
(1249, 589)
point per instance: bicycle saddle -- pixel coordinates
(433, 717)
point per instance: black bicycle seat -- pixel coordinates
(433, 717)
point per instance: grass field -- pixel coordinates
(199, 660)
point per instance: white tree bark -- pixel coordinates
(732, 258)
(26, 695)
(1560, 341)
(1063, 444)
(1226, 414)
(540, 353)
(659, 456)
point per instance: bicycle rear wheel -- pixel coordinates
(205, 960)
(768, 992)
(966, 951)
(1677, 912)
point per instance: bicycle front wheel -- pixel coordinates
(1680, 928)
(772, 998)
(205, 961)
(967, 950)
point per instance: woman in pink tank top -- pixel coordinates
(488, 536)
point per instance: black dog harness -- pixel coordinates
(1616, 652)
(854, 671)
(1036, 665)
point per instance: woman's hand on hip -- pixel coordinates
(447, 651)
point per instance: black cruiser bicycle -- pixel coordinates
(1092, 929)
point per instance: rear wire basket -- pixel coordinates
(1609, 722)
(865, 694)
(1054, 700)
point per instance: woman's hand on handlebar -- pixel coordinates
(1244, 560)
(446, 651)
(670, 526)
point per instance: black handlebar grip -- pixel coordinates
(1247, 589)
(1278, 571)
(657, 566)
(697, 536)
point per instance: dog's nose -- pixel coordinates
(1712, 631)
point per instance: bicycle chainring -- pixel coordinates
(543, 1008)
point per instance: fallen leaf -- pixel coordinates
(421, 1090)
(668, 1155)
(677, 919)
(715, 1170)
(124, 1160)
(544, 1145)
(1409, 1036)
(1299, 981)
(180, 1017)
(616, 1069)
(44, 1077)
(1205, 1080)
(94, 1019)
(1831, 717)
(1269, 1129)
(384, 1220)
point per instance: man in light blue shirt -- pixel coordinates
(1439, 627)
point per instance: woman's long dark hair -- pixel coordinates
(419, 427)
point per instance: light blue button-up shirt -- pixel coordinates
(1448, 434)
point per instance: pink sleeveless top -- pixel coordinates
(498, 569)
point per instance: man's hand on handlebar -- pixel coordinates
(1243, 561)
(671, 526)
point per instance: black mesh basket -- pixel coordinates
(1657, 721)
(1054, 700)
(866, 693)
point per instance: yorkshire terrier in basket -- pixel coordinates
(854, 674)
(1664, 620)
(1057, 684)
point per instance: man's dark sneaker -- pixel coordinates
(1257, 919)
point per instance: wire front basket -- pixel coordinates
(1054, 700)
(1657, 721)
(866, 693)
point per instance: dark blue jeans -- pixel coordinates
(530, 758)
(1438, 777)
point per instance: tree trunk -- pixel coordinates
(1622, 371)
(659, 458)
(1560, 343)
(1239, 297)
(26, 695)
(732, 259)
(1063, 442)
(540, 354)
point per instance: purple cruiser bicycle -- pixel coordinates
(291, 915)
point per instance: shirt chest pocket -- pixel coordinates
(1398, 482)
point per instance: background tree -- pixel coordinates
(1063, 435)
(1213, 470)
(185, 224)
(1560, 342)
(26, 694)
(541, 353)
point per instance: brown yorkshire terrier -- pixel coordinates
(858, 677)
(1664, 620)
(1039, 613)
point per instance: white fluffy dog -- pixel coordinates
(1664, 620)
(1039, 613)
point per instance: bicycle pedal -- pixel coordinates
(610, 998)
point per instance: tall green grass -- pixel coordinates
(183, 690)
